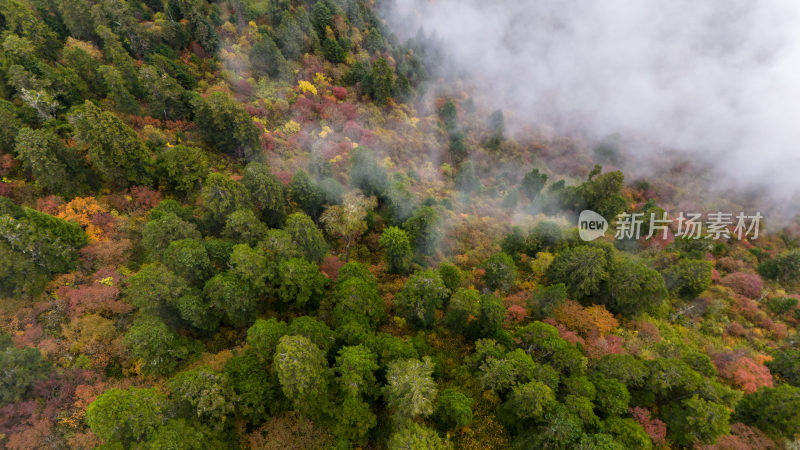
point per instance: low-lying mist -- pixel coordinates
(716, 81)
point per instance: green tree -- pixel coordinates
(397, 250)
(627, 432)
(383, 81)
(627, 369)
(449, 116)
(263, 336)
(786, 364)
(423, 229)
(243, 226)
(254, 269)
(583, 269)
(266, 59)
(458, 149)
(20, 368)
(228, 293)
(10, 123)
(19, 275)
(221, 196)
(258, 391)
(671, 378)
(489, 321)
(56, 168)
(166, 98)
(600, 193)
(52, 244)
(464, 306)
(154, 286)
(159, 232)
(356, 366)
(496, 126)
(348, 220)
(772, 410)
(267, 192)
(179, 434)
(114, 148)
(120, 58)
(696, 420)
(355, 420)
(303, 373)
(182, 168)
(451, 275)
(188, 258)
(321, 17)
(365, 173)
(500, 374)
(700, 362)
(454, 410)
(117, 88)
(317, 331)
(308, 238)
(301, 284)
(531, 400)
(785, 268)
(423, 293)
(612, 396)
(290, 37)
(306, 194)
(374, 41)
(415, 436)
(688, 278)
(633, 287)
(125, 417)
(225, 126)
(202, 393)
(159, 349)
(544, 236)
(500, 272)
(781, 305)
(410, 390)
(466, 180)
(357, 300)
(532, 183)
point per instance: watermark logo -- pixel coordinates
(633, 226)
(591, 225)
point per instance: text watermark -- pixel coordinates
(634, 226)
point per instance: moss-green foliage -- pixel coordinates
(397, 250)
(159, 349)
(785, 267)
(267, 193)
(422, 295)
(688, 278)
(696, 420)
(35, 245)
(21, 368)
(303, 373)
(773, 410)
(454, 410)
(182, 168)
(124, 417)
(114, 148)
(500, 272)
(307, 237)
(225, 126)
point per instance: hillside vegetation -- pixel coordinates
(273, 224)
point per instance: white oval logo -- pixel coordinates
(591, 225)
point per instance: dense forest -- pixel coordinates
(275, 224)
